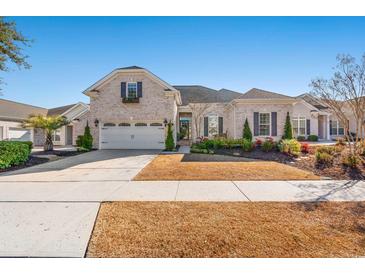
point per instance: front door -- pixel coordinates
(185, 128)
(69, 135)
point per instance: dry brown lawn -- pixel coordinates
(234, 229)
(170, 167)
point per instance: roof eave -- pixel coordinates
(265, 100)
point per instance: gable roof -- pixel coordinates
(10, 110)
(200, 94)
(59, 110)
(167, 86)
(310, 99)
(256, 93)
(14, 111)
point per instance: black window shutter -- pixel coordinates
(256, 124)
(308, 127)
(220, 125)
(331, 127)
(274, 124)
(139, 89)
(123, 89)
(205, 127)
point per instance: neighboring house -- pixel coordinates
(13, 113)
(130, 107)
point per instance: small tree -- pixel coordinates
(49, 124)
(288, 131)
(169, 142)
(247, 134)
(198, 110)
(344, 94)
(11, 42)
(88, 138)
(85, 141)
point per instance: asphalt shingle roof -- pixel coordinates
(200, 94)
(132, 67)
(14, 111)
(312, 101)
(18, 111)
(256, 93)
(59, 110)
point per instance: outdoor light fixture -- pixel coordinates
(165, 122)
(96, 122)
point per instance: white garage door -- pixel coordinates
(19, 134)
(132, 136)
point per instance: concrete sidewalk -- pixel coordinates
(99, 191)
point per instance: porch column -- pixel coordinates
(328, 128)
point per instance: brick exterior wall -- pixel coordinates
(155, 105)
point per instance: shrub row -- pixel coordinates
(290, 147)
(311, 138)
(14, 153)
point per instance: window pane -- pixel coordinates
(264, 118)
(132, 90)
(334, 128)
(140, 125)
(341, 130)
(302, 125)
(264, 130)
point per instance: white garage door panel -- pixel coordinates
(132, 137)
(19, 134)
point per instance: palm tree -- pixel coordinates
(49, 124)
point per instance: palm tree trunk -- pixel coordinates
(48, 145)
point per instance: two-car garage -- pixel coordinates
(140, 135)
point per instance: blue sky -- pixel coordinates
(280, 54)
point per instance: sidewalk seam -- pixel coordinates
(241, 191)
(177, 190)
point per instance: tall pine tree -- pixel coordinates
(288, 131)
(247, 134)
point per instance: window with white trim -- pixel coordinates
(337, 128)
(264, 124)
(299, 126)
(132, 90)
(56, 135)
(212, 125)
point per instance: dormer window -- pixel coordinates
(131, 90)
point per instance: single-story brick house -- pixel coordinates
(13, 113)
(130, 107)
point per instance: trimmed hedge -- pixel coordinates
(13, 153)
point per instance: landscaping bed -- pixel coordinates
(41, 157)
(230, 229)
(325, 161)
(185, 167)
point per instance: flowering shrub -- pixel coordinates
(258, 142)
(291, 147)
(304, 148)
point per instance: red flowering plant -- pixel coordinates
(258, 142)
(304, 147)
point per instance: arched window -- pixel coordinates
(109, 125)
(156, 124)
(124, 125)
(140, 124)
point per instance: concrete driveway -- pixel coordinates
(49, 210)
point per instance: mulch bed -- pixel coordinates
(36, 158)
(230, 229)
(305, 162)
